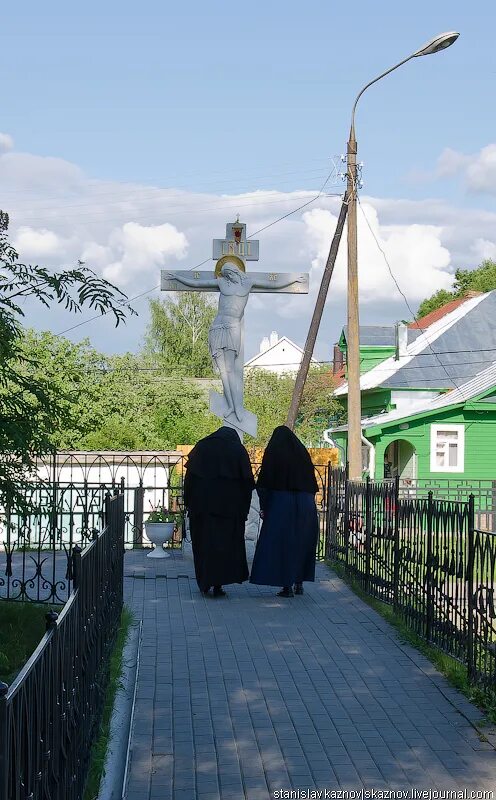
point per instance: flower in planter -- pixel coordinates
(162, 514)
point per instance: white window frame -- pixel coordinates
(460, 430)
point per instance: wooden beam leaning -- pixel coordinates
(316, 317)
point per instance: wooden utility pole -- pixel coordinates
(317, 316)
(353, 335)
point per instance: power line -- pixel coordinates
(154, 288)
(148, 184)
(267, 367)
(401, 291)
(144, 193)
(203, 207)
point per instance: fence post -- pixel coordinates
(139, 494)
(327, 503)
(4, 741)
(76, 565)
(368, 531)
(51, 618)
(470, 588)
(346, 518)
(428, 574)
(396, 543)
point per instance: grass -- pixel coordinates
(99, 749)
(454, 671)
(22, 625)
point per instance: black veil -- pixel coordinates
(219, 479)
(286, 464)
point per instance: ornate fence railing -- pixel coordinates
(65, 508)
(50, 713)
(426, 557)
(459, 490)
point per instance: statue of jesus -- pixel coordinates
(224, 337)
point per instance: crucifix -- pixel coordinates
(226, 334)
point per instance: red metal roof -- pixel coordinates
(439, 313)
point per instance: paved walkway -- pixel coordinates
(245, 696)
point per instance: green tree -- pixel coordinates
(269, 396)
(138, 407)
(182, 416)
(437, 300)
(481, 279)
(28, 409)
(72, 374)
(317, 406)
(177, 335)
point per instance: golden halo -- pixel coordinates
(236, 260)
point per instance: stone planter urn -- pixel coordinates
(159, 533)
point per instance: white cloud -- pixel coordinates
(478, 170)
(484, 249)
(450, 162)
(142, 249)
(415, 254)
(6, 142)
(36, 245)
(128, 232)
(480, 174)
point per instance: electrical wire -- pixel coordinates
(154, 288)
(148, 183)
(402, 293)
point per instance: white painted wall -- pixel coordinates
(405, 400)
(277, 354)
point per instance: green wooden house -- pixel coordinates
(428, 395)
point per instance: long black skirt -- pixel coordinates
(218, 550)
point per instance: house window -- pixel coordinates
(447, 448)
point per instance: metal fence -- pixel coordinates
(66, 508)
(50, 714)
(426, 557)
(483, 490)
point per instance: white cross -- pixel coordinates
(226, 335)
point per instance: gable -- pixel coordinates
(442, 356)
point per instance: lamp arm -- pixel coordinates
(383, 75)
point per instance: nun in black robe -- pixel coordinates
(217, 493)
(286, 486)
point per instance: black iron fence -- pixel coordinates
(66, 508)
(50, 714)
(458, 489)
(426, 557)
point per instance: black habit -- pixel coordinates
(286, 485)
(217, 493)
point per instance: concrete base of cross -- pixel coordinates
(247, 424)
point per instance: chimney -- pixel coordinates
(264, 344)
(401, 340)
(338, 360)
(274, 338)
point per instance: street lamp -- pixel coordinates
(353, 342)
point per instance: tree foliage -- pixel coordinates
(177, 336)
(269, 396)
(481, 279)
(127, 402)
(30, 410)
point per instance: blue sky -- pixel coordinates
(222, 99)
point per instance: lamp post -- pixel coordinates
(353, 341)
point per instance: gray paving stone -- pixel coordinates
(253, 695)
